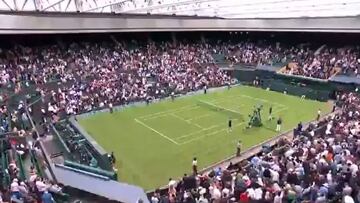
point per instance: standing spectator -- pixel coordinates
(318, 115)
(238, 148)
(111, 107)
(194, 166)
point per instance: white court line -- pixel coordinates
(259, 99)
(197, 132)
(188, 122)
(164, 112)
(191, 140)
(202, 116)
(159, 133)
(280, 110)
(206, 135)
(220, 107)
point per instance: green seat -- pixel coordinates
(35, 162)
(20, 165)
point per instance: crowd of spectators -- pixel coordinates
(92, 75)
(320, 165)
(20, 182)
(153, 69)
(325, 62)
(250, 53)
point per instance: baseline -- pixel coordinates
(206, 135)
(165, 113)
(260, 99)
(157, 132)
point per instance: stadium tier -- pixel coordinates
(224, 116)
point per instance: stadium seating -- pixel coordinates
(87, 76)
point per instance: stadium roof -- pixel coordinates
(213, 8)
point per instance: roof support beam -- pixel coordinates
(52, 5)
(6, 3)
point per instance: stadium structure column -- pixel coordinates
(202, 37)
(173, 37)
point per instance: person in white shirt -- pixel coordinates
(278, 197)
(348, 199)
(111, 107)
(216, 194)
(258, 193)
(172, 183)
(225, 192)
(318, 115)
(194, 166)
(14, 187)
(251, 193)
(40, 185)
(23, 189)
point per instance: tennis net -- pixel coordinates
(214, 107)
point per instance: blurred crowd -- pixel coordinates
(19, 182)
(320, 165)
(96, 74)
(250, 53)
(88, 76)
(325, 62)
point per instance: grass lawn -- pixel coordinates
(153, 143)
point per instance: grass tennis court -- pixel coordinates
(153, 143)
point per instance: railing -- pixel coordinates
(41, 146)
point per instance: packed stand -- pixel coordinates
(82, 77)
(19, 183)
(92, 76)
(320, 165)
(30, 190)
(251, 53)
(324, 64)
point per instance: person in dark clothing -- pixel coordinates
(270, 113)
(229, 125)
(299, 127)
(112, 157)
(278, 124)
